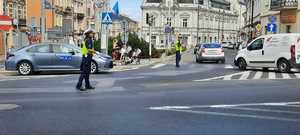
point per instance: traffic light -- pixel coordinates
(147, 18)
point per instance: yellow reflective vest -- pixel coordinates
(178, 47)
(85, 51)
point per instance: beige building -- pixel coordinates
(119, 25)
(284, 13)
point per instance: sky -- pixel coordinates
(132, 8)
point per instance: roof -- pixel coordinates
(221, 2)
(122, 17)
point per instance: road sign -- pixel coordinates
(107, 18)
(5, 23)
(258, 27)
(272, 27)
(168, 29)
(273, 19)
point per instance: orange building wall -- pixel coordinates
(34, 10)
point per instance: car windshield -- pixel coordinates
(211, 46)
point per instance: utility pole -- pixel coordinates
(43, 33)
(198, 13)
(223, 21)
(219, 20)
(252, 19)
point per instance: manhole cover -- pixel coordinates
(8, 107)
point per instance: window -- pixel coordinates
(39, 49)
(169, 21)
(256, 45)
(184, 23)
(288, 29)
(62, 49)
(186, 1)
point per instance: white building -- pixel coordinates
(219, 20)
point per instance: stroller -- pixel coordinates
(125, 52)
(136, 56)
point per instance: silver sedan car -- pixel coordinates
(53, 57)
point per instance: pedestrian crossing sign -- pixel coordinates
(107, 18)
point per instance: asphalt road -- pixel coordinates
(206, 99)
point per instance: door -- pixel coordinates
(255, 53)
(41, 56)
(65, 57)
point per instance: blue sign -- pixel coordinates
(273, 19)
(168, 29)
(107, 18)
(272, 27)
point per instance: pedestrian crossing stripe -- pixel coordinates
(254, 75)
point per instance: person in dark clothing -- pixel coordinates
(87, 49)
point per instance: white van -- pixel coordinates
(281, 51)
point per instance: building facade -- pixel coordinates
(284, 14)
(196, 21)
(123, 24)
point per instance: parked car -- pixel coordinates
(53, 57)
(281, 51)
(210, 52)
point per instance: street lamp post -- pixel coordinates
(198, 13)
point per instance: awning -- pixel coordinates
(5, 23)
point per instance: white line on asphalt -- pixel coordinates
(4, 107)
(262, 110)
(285, 76)
(258, 75)
(220, 77)
(226, 105)
(245, 75)
(297, 75)
(158, 66)
(228, 66)
(272, 75)
(235, 115)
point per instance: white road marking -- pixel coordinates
(245, 75)
(297, 75)
(236, 115)
(285, 76)
(158, 66)
(272, 75)
(258, 75)
(225, 77)
(188, 109)
(4, 107)
(228, 66)
(263, 110)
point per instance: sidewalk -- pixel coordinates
(144, 63)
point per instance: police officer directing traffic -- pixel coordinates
(87, 49)
(178, 48)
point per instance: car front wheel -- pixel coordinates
(25, 68)
(94, 67)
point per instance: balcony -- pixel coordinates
(68, 11)
(284, 4)
(80, 16)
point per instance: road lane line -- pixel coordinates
(285, 76)
(228, 66)
(245, 75)
(4, 107)
(262, 110)
(258, 75)
(220, 77)
(272, 75)
(297, 75)
(235, 115)
(158, 66)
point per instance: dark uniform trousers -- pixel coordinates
(85, 69)
(178, 58)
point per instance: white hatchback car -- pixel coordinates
(281, 51)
